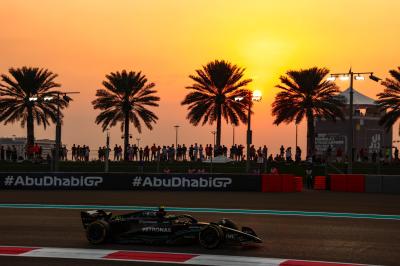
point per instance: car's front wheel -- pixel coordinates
(211, 236)
(97, 232)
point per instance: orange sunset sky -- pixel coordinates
(83, 40)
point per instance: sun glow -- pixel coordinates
(263, 56)
(257, 94)
(92, 38)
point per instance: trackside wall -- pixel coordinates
(130, 181)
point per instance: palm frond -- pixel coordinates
(389, 100)
(22, 83)
(306, 89)
(217, 84)
(125, 94)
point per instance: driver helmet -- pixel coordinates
(161, 211)
(228, 223)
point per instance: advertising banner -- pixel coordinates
(336, 141)
(130, 181)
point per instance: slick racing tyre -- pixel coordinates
(97, 232)
(211, 236)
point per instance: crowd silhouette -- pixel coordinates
(198, 153)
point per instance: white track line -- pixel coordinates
(157, 257)
(222, 260)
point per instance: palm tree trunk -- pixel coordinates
(218, 141)
(30, 135)
(310, 133)
(126, 136)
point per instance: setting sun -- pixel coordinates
(269, 130)
(82, 41)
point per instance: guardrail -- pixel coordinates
(382, 184)
(278, 183)
(130, 181)
(365, 183)
(194, 182)
(149, 181)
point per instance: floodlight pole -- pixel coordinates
(251, 97)
(58, 130)
(350, 150)
(176, 136)
(58, 136)
(107, 152)
(248, 139)
(233, 135)
(212, 151)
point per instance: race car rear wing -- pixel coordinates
(91, 216)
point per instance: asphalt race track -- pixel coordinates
(370, 241)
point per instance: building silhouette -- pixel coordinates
(20, 145)
(367, 133)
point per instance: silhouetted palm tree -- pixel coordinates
(306, 93)
(213, 95)
(124, 100)
(16, 98)
(389, 99)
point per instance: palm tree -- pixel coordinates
(213, 94)
(306, 93)
(124, 99)
(23, 97)
(389, 99)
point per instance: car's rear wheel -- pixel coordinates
(97, 232)
(211, 236)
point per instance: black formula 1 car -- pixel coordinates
(156, 227)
